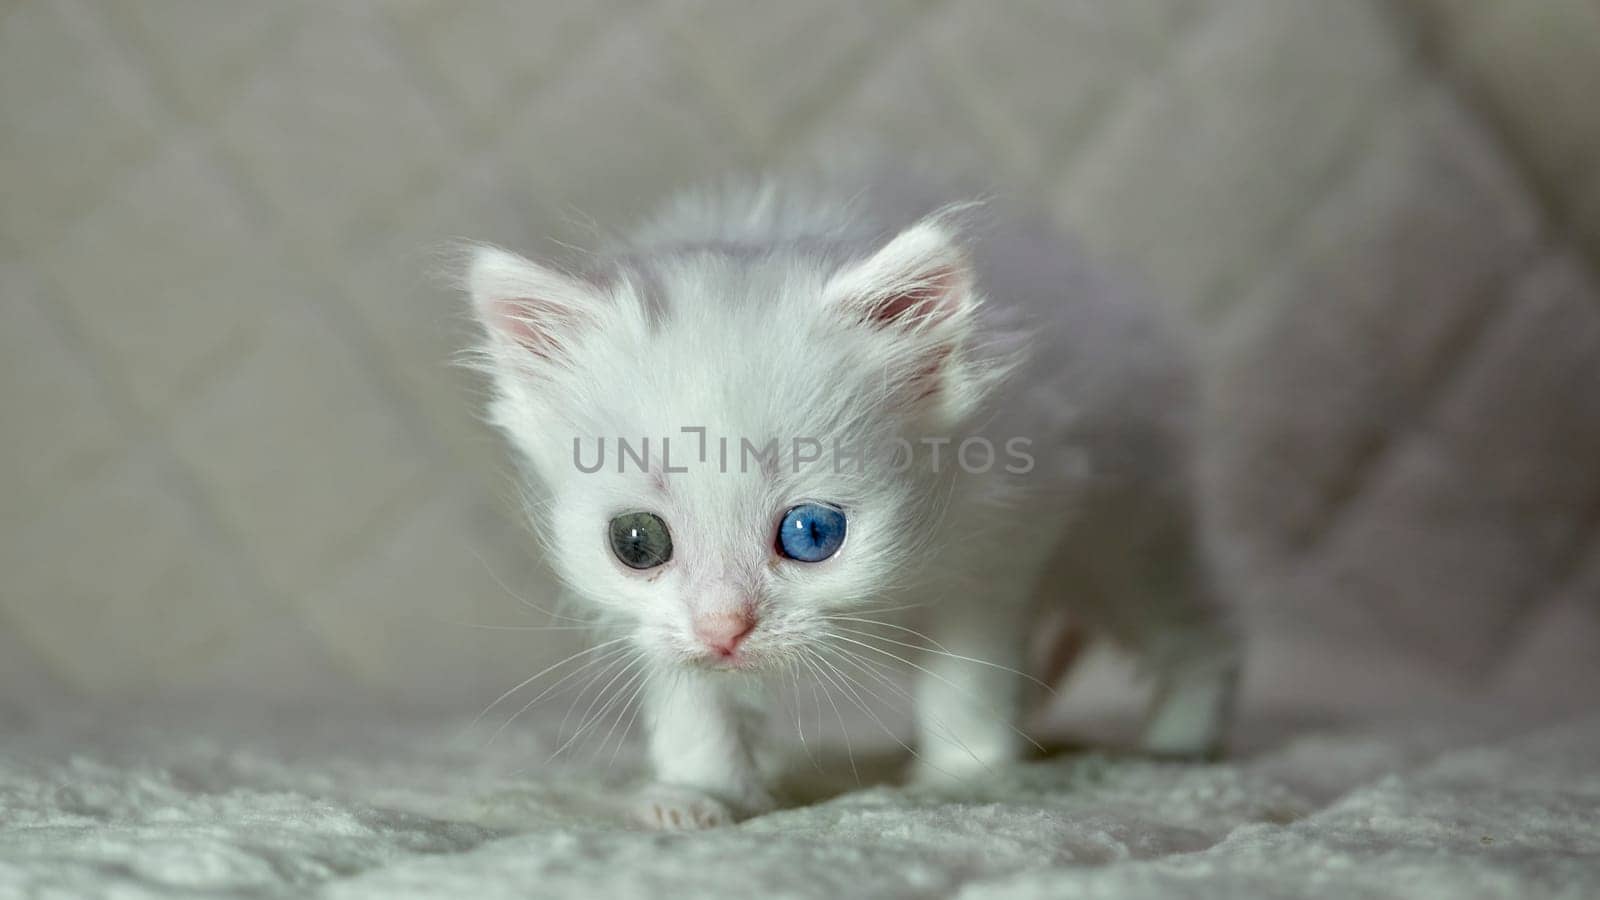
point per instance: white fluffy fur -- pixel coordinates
(781, 312)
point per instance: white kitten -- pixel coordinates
(827, 408)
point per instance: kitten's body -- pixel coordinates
(783, 311)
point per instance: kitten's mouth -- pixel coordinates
(738, 662)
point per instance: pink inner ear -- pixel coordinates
(532, 324)
(514, 322)
(926, 298)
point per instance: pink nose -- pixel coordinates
(723, 632)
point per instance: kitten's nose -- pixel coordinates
(722, 632)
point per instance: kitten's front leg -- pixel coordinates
(969, 709)
(705, 772)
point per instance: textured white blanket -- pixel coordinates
(354, 808)
(1380, 217)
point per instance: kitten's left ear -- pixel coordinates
(918, 294)
(920, 280)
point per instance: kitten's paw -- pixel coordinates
(669, 807)
(1188, 720)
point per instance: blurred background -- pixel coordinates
(236, 461)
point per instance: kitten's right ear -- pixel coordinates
(525, 307)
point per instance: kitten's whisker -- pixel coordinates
(816, 702)
(941, 679)
(828, 671)
(851, 685)
(845, 656)
(890, 609)
(791, 699)
(540, 674)
(881, 624)
(608, 659)
(799, 724)
(591, 717)
(946, 653)
(633, 701)
(605, 663)
(623, 695)
(878, 670)
(844, 730)
(630, 691)
(489, 626)
(521, 599)
(616, 669)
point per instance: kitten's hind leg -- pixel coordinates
(1174, 616)
(1197, 676)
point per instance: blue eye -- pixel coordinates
(811, 532)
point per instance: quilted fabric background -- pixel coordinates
(236, 458)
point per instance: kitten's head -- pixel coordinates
(766, 401)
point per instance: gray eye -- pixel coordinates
(641, 540)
